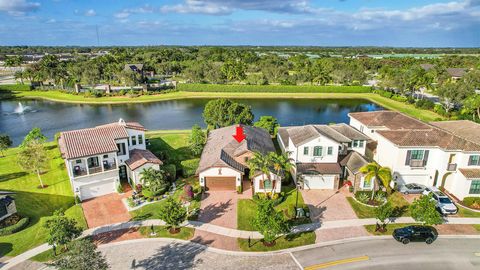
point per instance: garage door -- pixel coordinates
(97, 189)
(220, 183)
(319, 182)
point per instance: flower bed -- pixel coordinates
(21, 224)
(364, 198)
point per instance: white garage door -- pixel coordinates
(97, 189)
(319, 182)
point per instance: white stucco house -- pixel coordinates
(98, 159)
(442, 154)
(223, 163)
(321, 153)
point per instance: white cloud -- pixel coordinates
(18, 7)
(125, 13)
(90, 13)
(197, 6)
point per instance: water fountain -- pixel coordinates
(20, 109)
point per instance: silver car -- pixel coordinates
(412, 188)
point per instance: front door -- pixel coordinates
(122, 173)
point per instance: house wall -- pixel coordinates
(123, 158)
(220, 171)
(134, 132)
(136, 175)
(322, 141)
(258, 178)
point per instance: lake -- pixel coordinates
(53, 117)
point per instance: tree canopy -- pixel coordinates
(224, 112)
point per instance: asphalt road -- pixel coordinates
(462, 254)
(389, 254)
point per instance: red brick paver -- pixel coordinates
(215, 240)
(326, 205)
(104, 210)
(116, 236)
(220, 207)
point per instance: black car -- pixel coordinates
(415, 233)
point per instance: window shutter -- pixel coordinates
(409, 155)
(425, 157)
(261, 184)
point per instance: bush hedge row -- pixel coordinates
(273, 88)
(20, 225)
(189, 167)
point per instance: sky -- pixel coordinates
(400, 23)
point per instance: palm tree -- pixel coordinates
(374, 172)
(260, 162)
(281, 163)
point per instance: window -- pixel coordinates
(474, 160)
(105, 156)
(367, 183)
(92, 162)
(475, 187)
(121, 149)
(416, 154)
(360, 144)
(372, 131)
(78, 161)
(140, 139)
(305, 151)
(317, 151)
(134, 140)
(349, 145)
(329, 150)
(267, 184)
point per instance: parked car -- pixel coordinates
(412, 188)
(415, 233)
(444, 205)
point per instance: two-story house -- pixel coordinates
(98, 158)
(224, 162)
(317, 152)
(441, 154)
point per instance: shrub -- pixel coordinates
(424, 104)
(20, 225)
(362, 197)
(379, 197)
(239, 189)
(188, 193)
(473, 202)
(77, 199)
(189, 167)
(399, 98)
(130, 202)
(120, 188)
(272, 88)
(170, 171)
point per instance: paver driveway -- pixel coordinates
(103, 210)
(327, 205)
(220, 207)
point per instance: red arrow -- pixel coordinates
(240, 136)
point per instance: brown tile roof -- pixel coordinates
(221, 148)
(427, 67)
(321, 168)
(94, 141)
(465, 129)
(389, 119)
(456, 72)
(341, 133)
(139, 158)
(470, 173)
(354, 161)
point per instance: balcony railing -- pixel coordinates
(452, 167)
(78, 171)
(417, 163)
(94, 170)
(108, 166)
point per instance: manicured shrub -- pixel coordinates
(362, 197)
(189, 167)
(187, 193)
(473, 202)
(20, 225)
(239, 189)
(273, 88)
(424, 104)
(170, 171)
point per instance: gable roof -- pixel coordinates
(221, 148)
(140, 157)
(456, 72)
(321, 168)
(465, 129)
(341, 133)
(470, 173)
(93, 141)
(354, 161)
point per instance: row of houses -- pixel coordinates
(442, 154)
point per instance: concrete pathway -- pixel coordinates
(233, 233)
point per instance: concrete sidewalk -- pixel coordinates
(230, 232)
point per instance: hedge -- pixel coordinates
(21, 224)
(15, 87)
(470, 201)
(189, 167)
(171, 171)
(273, 88)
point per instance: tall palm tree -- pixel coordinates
(281, 163)
(260, 162)
(374, 172)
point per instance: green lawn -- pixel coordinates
(246, 209)
(390, 228)
(260, 92)
(477, 227)
(36, 203)
(283, 242)
(162, 231)
(462, 212)
(397, 200)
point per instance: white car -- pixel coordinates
(444, 204)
